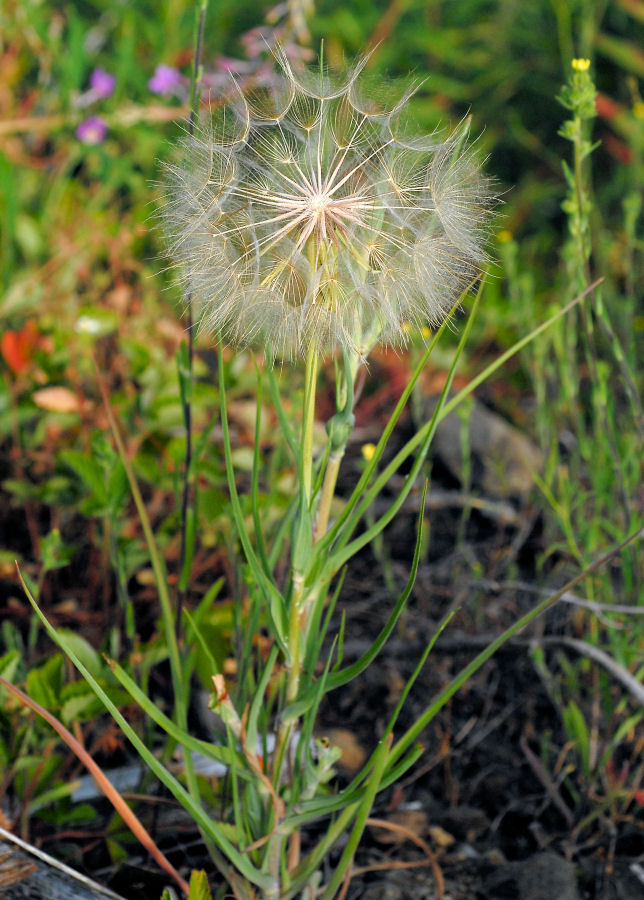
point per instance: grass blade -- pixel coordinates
(264, 581)
(131, 820)
(209, 827)
(343, 676)
(379, 763)
(412, 733)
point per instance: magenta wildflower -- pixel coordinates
(166, 80)
(102, 83)
(92, 131)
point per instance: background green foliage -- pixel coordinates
(78, 242)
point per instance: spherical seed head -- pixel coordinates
(308, 213)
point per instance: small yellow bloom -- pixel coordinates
(638, 109)
(368, 451)
(504, 236)
(425, 332)
(581, 65)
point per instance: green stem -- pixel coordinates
(188, 498)
(302, 544)
(582, 250)
(328, 492)
(306, 457)
(338, 437)
(303, 532)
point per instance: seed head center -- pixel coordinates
(319, 203)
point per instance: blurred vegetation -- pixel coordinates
(83, 278)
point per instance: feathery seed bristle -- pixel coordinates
(309, 213)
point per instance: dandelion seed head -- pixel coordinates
(310, 212)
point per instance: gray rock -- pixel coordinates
(502, 458)
(544, 876)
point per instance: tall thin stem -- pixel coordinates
(345, 399)
(310, 384)
(328, 492)
(303, 539)
(301, 552)
(187, 498)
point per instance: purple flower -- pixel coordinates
(102, 83)
(166, 80)
(92, 131)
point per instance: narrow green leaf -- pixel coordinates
(623, 729)
(306, 735)
(258, 698)
(210, 827)
(53, 795)
(316, 634)
(254, 485)
(338, 679)
(158, 567)
(215, 752)
(342, 554)
(372, 786)
(84, 651)
(267, 585)
(204, 604)
(471, 386)
(9, 663)
(577, 728)
(282, 533)
(195, 632)
(311, 862)
(423, 720)
(190, 542)
(89, 470)
(285, 425)
(323, 545)
(419, 667)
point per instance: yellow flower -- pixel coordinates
(306, 213)
(581, 65)
(504, 236)
(368, 451)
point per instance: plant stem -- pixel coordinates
(302, 544)
(310, 383)
(327, 493)
(303, 540)
(344, 400)
(187, 499)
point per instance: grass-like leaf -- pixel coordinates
(210, 828)
(343, 676)
(265, 582)
(423, 720)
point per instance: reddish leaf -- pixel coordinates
(17, 346)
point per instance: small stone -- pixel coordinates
(503, 459)
(544, 876)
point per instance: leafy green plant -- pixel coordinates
(586, 367)
(264, 528)
(276, 793)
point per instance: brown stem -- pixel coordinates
(119, 804)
